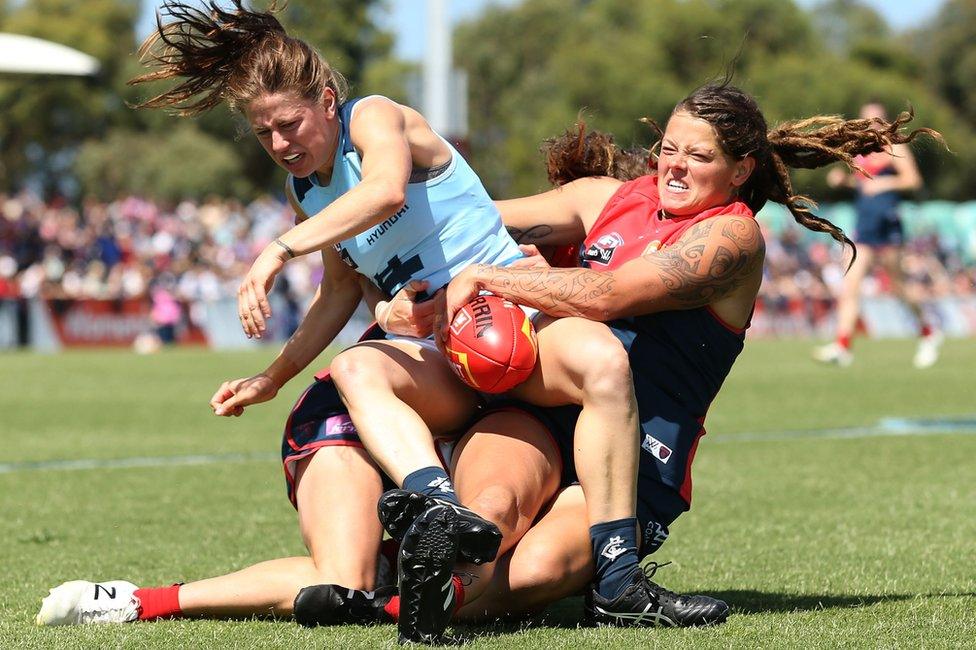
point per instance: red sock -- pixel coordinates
(925, 331)
(844, 341)
(159, 602)
(458, 593)
(392, 608)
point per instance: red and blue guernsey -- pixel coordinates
(679, 358)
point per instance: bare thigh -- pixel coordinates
(507, 468)
(336, 490)
(414, 373)
(552, 561)
(576, 356)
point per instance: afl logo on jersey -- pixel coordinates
(656, 448)
(601, 251)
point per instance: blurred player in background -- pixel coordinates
(879, 179)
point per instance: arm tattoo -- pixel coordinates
(532, 235)
(557, 292)
(702, 268)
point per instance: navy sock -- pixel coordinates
(615, 555)
(432, 481)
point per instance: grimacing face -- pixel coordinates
(300, 135)
(694, 174)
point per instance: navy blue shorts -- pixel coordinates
(878, 222)
(657, 504)
(318, 419)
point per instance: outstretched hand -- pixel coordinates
(233, 396)
(253, 307)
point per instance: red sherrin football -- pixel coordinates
(492, 344)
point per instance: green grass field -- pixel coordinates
(821, 529)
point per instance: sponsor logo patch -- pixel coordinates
(338, 425)
(656, 448)
(442, 484)
(602, 250)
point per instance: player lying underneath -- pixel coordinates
(674, 262)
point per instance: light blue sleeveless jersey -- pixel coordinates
(445, 224)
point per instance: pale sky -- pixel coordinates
(407, 18)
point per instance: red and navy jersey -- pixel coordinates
(878, 163)
(631, 225)
(878, 221)
(679, 358)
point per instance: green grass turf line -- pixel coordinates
(816, 542)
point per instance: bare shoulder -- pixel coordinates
(588, 184)
(590, 195)
(743, 233)
(373, 109)
(711, 260)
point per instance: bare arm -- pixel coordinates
(712, 261)
(559, 216)
(334, 303)
(907, 176)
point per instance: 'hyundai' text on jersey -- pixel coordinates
(447, 221)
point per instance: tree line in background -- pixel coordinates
(532, 68)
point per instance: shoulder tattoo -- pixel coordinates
(708, 263)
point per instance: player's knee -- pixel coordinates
(499, 505)
(356, 369)
(607, 371)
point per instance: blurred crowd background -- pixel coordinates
(198, 251)
(98, 201)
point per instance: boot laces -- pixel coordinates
(660, 592)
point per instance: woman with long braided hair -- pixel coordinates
(672, 261)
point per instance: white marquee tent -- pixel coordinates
(28, 55)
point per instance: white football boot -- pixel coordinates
(927, 352)
(79, 602)
(834, 353)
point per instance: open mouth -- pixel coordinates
(292, 159)
(677, 186)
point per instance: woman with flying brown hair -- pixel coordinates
(675, 258)
(384, 197)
